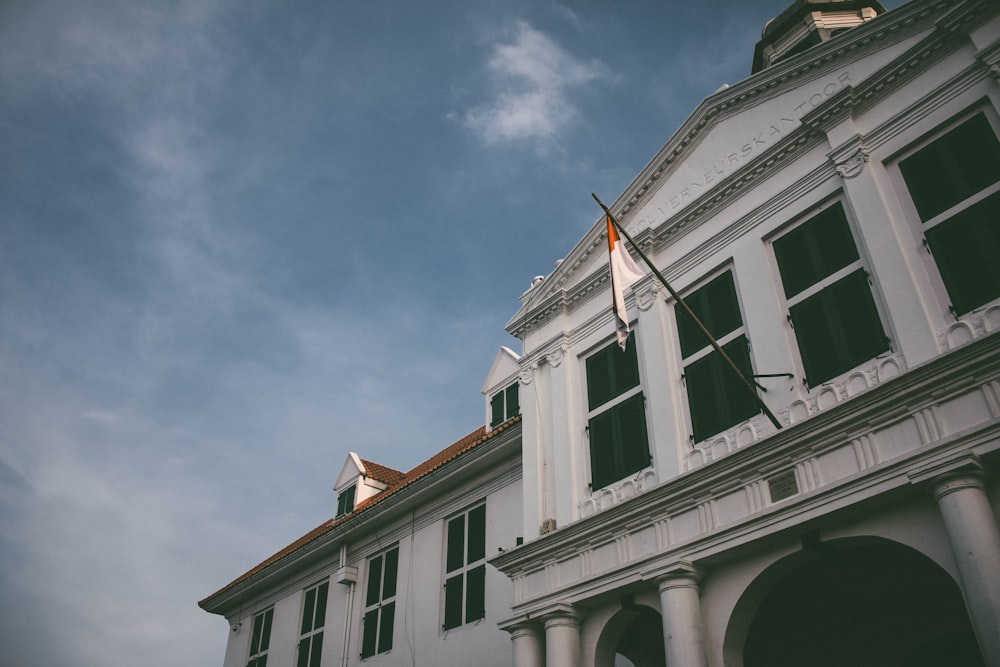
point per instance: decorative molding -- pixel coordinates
(853, 165)
(616, 493)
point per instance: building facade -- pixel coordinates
(834, 222)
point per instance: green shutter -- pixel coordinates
(477, 534)
(966, 249)
(389, 580)
(497, 409)
(387, 619)
(258, 623)
(265, 635)
(369, 634)
(475, 594)
(602, 450)
(716, 305)
(321, 593)
(513, 402)
(716, 396)
(952, 168)
(303, 659)
(632, 439)
(316, 652)
(814, 250)
(456, 544)
(838, 328)
(611, 372)
(374, 594)
(453, 602)
(308, 608)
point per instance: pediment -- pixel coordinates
(731, 134)
(506, 366)
(352, 469)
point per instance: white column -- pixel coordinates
(975, 542)
(526, 642)
(680, 605)
(562, 638)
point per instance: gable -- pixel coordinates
(352, 469)
(506, 366)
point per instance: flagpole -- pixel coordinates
(677, 297)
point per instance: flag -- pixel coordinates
(624, 273)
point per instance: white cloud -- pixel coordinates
(532, 79)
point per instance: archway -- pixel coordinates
(860, 602)
(633, 637)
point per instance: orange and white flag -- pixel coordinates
(624, 273)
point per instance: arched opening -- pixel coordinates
(860, 602)
(633, 637)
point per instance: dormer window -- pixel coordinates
(345, 500)
(504, 405)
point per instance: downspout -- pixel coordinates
(347, 576)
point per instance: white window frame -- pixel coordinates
(465, 568)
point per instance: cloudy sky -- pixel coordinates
(240, 238)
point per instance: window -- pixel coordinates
(617, 415)
(380, 603)
(345, 500)
(830, 302)
(313, 618)
(717, 398)
(504, 405)
(954, 183)
(465, 568)
(260, 638)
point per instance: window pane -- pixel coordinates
(952, 168)
(370, 634)
(716, 306)
(321, 593)
(307, 611)
(374, 593)
(317, 650)
(966, 249)
(477, 534)
(386, 622)
(391, 567)
(475, 596)
(453, 602)
(814, 250)
(456, 543)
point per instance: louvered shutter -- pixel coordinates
(602, 450)
(374, 592)
(513, 402)
(320, 617)
(475, 595)
(265, 636)
(316, 652)
(716, 306)
(599, 378)
(953, 167)
(369, 634)
(453, 602)
(477, 534)
(308, 609)
(454, 559)
(496, 409)
(966, 249)
(633, 447)
(390, 568)
(815, 250)
(387, 619)
(303, 659)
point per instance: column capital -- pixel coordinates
(561, 613)
(965, 471)
(679, 574)
(520, 625)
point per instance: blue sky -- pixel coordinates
(239, 239)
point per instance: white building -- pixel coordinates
(835, 221)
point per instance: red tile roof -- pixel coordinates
(396, 481)
(381, 473)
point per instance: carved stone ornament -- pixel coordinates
(555, 357)
(853, 165)
(527, 374)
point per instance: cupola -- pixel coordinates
(808, 23)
